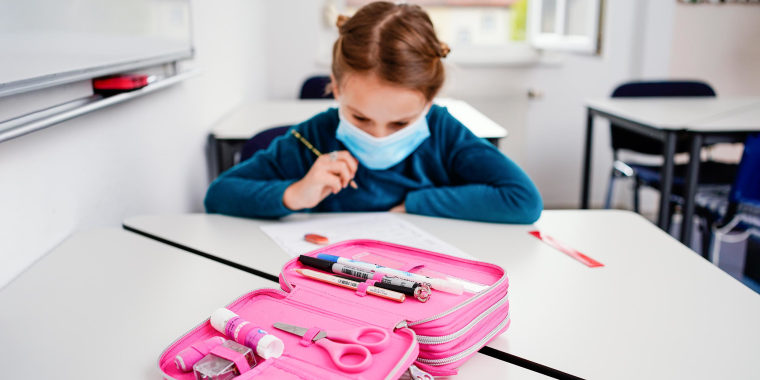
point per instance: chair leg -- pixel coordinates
(636, 188)
(608, 198)
(715, 246)
(672, 209)
(706, 228)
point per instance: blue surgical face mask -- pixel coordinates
(380, 153)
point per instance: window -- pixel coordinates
(478, 31)
(571, 25)
(485, 32)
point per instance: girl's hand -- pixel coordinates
(329, 174)
(399, 208)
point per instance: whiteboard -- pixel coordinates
(45, 43)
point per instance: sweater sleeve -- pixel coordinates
(255, 187)
(486, 186)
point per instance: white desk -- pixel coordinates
(704, 120)
(670, 113)
(656, 310)
(743, 119)
(245, 121)
(105, 304)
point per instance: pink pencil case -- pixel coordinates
(437, 336)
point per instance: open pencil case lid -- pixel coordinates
(437, 335)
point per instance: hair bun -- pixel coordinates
(342, 19)
(445, 49)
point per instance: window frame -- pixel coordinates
(559, 40)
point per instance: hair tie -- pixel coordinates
(445, 49)
(342, 19)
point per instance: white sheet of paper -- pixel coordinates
(386, 227)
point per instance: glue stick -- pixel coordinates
(244, 332)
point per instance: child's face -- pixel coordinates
(377, 107)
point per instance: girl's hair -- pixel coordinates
(396, 42)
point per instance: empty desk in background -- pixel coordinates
(656, 310)
(229, 135)
(732, 126)
(105, 304)
(667, 119)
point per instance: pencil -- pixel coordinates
(350, 284)
(315, 151)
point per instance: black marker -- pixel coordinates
(419, 291)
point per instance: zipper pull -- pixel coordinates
(400, 325)
(418, 374)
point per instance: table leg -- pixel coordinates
(668, 153)
(587, 159)
(692, 179)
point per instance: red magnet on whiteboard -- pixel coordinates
(589, 262)
(121, 83)
(316, 239)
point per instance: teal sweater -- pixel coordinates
(452, 174)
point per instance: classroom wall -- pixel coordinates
(545, 134)
(718, 42)
(143, 156)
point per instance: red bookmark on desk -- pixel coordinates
(589, 262)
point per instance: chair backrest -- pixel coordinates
(261, 141)
(624, 139)
(315, 88)
(746, 188)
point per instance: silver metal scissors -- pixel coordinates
(355, 354)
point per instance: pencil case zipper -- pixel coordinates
(424, 339)
(400, 364)
(447, 312)
(469, 351)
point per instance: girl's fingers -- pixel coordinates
(341, 169)
(346, 157)
(333, 183)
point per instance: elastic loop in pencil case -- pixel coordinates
(361, 289)
(239, 359)
(307, 339)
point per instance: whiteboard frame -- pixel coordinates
(57, 79)
(29, 123)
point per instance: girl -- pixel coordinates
(390, 147)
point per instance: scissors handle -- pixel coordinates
(374, 338)
(347, 357)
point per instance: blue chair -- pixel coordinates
(649, 175)
(740, 210)
(260, 141)
(315, 88)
